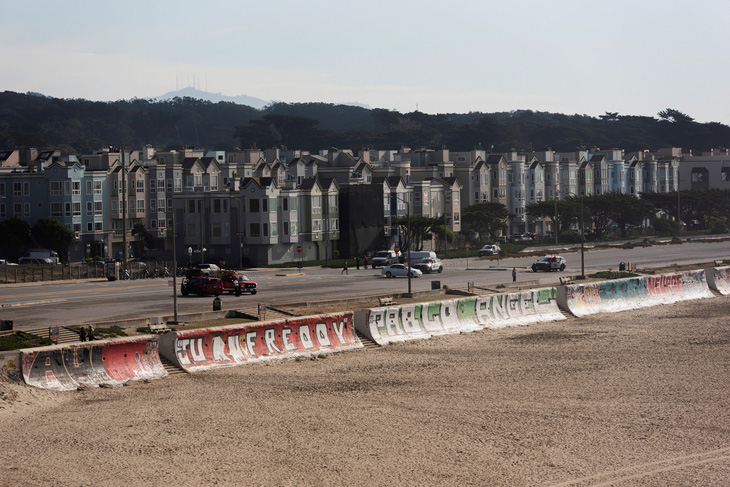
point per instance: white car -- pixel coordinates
(207, 269)
(395, 270)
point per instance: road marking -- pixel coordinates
(31, 303)
(79, 291)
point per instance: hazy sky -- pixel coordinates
(570, 56)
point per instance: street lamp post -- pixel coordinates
(679, 213)
(556, 218)
(410, 270)
(408, 216)
(582, 241)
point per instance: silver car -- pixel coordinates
(395, 270)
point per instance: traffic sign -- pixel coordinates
(467, 246)
(396, 249)
(299, 249)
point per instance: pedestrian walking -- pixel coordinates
(357, 262)
(344, 268)
(91, 333)
(514, 274)
(365, 261)
(82, 334)
(236, 287)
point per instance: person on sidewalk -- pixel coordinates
(344, 268)
(91, 333)
(514, 274)
(357, 261)
(82, 334)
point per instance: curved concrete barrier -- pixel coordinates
(424, 320)
(417, 321)
(113, 362)
(633, 293)
(520, 308)
(228, 346)
(719, 279)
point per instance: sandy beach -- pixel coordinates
(632, 398)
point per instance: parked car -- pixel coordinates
(201, 285)
(429, 265)
(395, 270)
(207, 269)
(384, 258)
(550, 263)
(489, 250)
(5, 262)
(246, 284)
(35, 261)
(39, 256)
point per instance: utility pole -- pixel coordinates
(446, 242)
(201, 206)
(174, 268)
(556, 217)
(124, 214)
(408, 213)
(582, 240)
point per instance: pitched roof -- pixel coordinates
(394, 181)
(328, 183)
(260, 182)
(309, 184)
(189, 162)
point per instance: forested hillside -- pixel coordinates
(77, 126)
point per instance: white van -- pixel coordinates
(417, 256)
(39, 256)
(384, 258)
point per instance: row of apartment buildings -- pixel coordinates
(258, 206)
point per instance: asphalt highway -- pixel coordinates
(44, 304)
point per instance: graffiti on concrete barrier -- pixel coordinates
(583, 295)
(413, 319)
(720, 279)
(622, 288)
(546, 295)
(113, 362)
(501, 307)
(236, 345)
(694, 280)
(466, 308)
(670, 283)
(9, 365)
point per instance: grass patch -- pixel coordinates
(22, 340)
(217, 322)
(613, 275)
(114, 331)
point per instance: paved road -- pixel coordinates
(66, 303)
